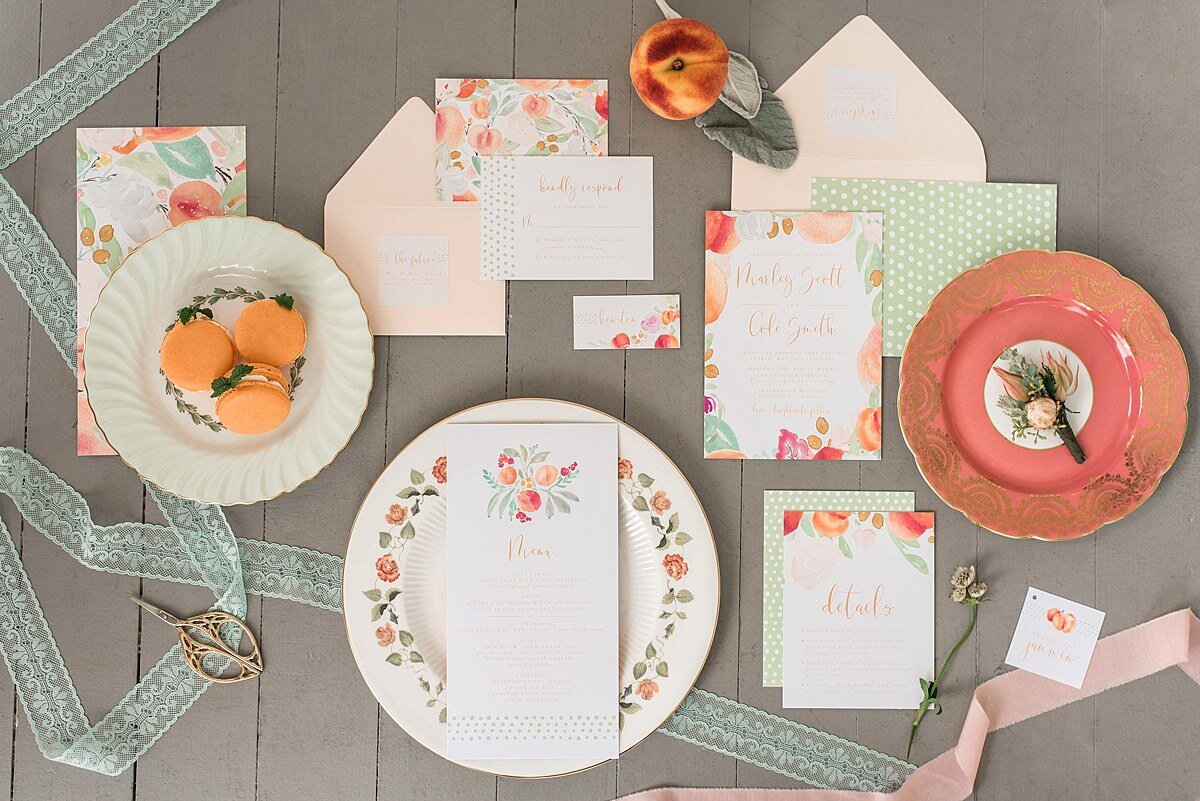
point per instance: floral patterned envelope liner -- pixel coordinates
(478, 117)
(132, 184)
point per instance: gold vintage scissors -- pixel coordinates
(196, 648)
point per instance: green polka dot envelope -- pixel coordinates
(934, 230)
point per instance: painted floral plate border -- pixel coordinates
(1151, 449)
(659, 510)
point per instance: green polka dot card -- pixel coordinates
(934, 230)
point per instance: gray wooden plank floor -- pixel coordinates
(1098, 97)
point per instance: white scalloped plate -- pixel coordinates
(143, 423)
(652, 630)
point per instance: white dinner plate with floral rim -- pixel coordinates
(171, 437)
(394, 588)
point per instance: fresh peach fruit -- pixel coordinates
(546, 475)
(507, 476)
(909, 525)
(529, 501)
(678, 68)
(824, 228)
(192, 200)
(720, 235)
(831, 524)
(867, 429)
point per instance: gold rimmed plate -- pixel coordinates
(171, 437)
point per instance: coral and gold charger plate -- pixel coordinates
(173, 437)
(394, 585)
(1127, 407)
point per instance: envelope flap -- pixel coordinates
(927, 128)
(397, 167)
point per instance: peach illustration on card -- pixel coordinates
(793, 313)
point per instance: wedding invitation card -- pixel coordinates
(858, 609)
(482, 117)
(1055, 637)
(633, 322)
(131, 184)
(568, 218)
(793, 314)
(531, 589)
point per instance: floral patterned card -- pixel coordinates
(634, 322)
(779, 522)
(480, 117)
(793, 313)
(858, 609)
(130, 185)
(1055, 637)
(531, 589)
(936, 229)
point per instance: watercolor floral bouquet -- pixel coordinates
(525, 483)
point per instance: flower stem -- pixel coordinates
(1067, 434)
(931, 692)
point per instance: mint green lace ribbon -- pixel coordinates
(198, 547)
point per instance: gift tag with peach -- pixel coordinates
(1055, 637)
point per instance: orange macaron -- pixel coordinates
(252, 398)
(195, 350)
(271, 331)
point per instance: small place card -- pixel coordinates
(1055, 637)
(414, 270)
(632, 322)
(860, 102)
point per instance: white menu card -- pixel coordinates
(531, 588)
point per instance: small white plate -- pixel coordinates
(668, 619)
(168, 436)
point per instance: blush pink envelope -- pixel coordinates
(928, 140)
(388, 193)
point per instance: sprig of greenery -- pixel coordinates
(237, 293)
(176, 394)
(285, 300)
(193, 312)
(965, 590)
(226, 383)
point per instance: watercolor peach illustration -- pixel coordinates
(834, 527)
(716, 291)
(870, 359)
(536, 106)
(720, 232)
(525, 482)
(909, 525)
(831, 524)
(486, 141)
(1060, 620)
(868, 429)
(825, 227)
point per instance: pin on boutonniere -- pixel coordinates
(965, 589)
(1035, 397)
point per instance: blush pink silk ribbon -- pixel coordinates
(1156, 645)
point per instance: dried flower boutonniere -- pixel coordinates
(1035, 397)
(965, 589)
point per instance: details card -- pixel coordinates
(793, 313)
(1055, 637)
(569, 218)
(531, 588)
(858, 609)
(626, 322)
(482, 117)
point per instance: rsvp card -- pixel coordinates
(633, 322)
(1055, 637)
(531, 588)
(858, 609)
(568, 218)
(793, 314)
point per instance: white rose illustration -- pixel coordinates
(813, 561)
(132, 204)
(753, 224)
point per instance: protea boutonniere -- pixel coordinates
(1035, 397)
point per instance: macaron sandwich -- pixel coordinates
(252, 398)
(271, 331)
(196, 350)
